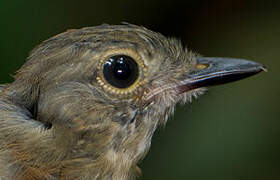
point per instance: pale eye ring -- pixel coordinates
(121, 72)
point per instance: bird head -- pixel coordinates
(96, 95)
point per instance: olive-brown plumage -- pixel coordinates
(86, 103)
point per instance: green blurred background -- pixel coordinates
(230, 133)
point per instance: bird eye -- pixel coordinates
(120, 71)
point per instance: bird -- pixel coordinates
(87, 102)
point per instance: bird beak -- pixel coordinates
(215, 71)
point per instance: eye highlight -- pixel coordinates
(121, 71)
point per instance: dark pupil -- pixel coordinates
(120, 71)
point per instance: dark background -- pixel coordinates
(230, 133)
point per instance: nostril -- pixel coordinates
(202, 66)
